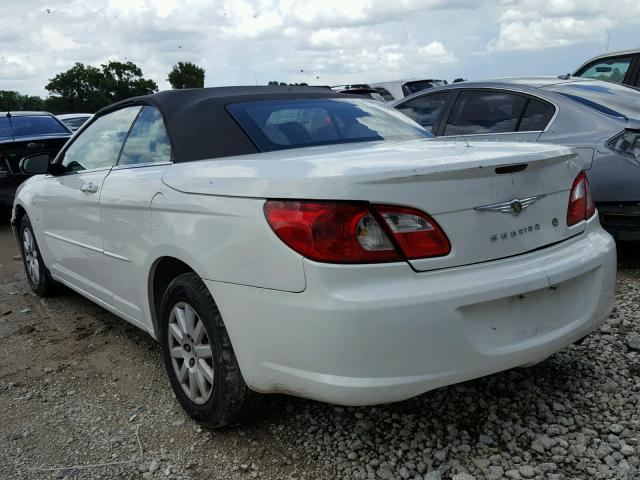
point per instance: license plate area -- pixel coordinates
(517, 319)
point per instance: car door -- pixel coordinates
(69, 203)
(132, 193)
(493, 114)
(427, 110)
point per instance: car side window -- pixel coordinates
(148, 141)
(484, 112)
(609, 70)
(536, 116)
(99, 145)
(426, 109)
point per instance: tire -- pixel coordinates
(37, 273)
(199, 358)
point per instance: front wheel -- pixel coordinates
(37, 273)
(199, 358)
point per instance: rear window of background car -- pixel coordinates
(484, 112)
(425, 110)
(385, 94)
(536, 116)
(478, 112)
(284, 124)
(25, 126)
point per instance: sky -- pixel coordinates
(325, 42)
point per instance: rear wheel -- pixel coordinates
(37, 273)
(199, 358)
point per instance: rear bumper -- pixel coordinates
(622, 220)
(363, 335)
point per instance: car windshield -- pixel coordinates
(27, 126)
(608, 98)
(284, 124)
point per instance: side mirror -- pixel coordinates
(35, 164)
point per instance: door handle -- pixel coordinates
(89, 188)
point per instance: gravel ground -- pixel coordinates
(84, 395)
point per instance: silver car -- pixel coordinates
(399, 89)
(600, 119)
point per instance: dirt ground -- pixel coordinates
(83, 394)
(76, 383)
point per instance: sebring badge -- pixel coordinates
(514, 207)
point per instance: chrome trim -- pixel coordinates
(73, 242)
(87, 246)
(485, 134)
(79, 172)
(141, 165)
(114, 255)
(514, 206)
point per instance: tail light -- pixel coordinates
(337, 232)
(581, 205)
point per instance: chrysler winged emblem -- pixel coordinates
(514, 206)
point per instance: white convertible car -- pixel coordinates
(300, 241)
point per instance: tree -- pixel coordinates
(88, 89)
(459, 79)
(10, 100)
(186, 75)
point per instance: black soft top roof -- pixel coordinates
(198, 124)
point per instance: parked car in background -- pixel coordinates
(398, 89)
(361, 90)
(74, 120)
(23, 134)
(296, 240)
(617, 67)
(601, 120)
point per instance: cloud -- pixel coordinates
(541, 24)
(313, 41)
(548, 32)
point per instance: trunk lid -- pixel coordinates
(468, 188)
(14, 150)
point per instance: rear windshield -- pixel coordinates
(608, 98)
(75, 123)
(30, 126)
(419, 85)
(283, 124)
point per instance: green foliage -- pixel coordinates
(10, 100)
(88, 89)
(186, 75)
(459, 79)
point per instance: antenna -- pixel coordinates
(608, 41)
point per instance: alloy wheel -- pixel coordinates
(191, 354)
(31, 256)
